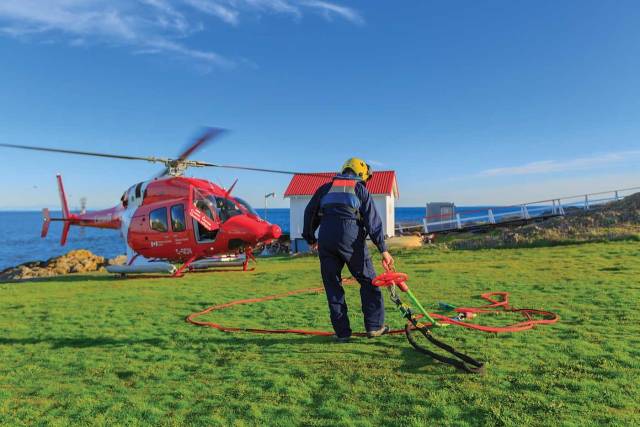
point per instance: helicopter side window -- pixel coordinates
(158, 220)
(177, 218)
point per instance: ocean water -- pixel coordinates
(21, 242)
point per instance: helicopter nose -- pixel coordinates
(272, 232)
(276, 231)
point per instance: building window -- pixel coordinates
(158, 220)
(177, 218)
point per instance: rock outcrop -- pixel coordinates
(78, 261)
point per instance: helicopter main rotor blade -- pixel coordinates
(209, 135)
(85, 153)
(248, 168)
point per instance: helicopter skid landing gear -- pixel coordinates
(180, 272)
(248, 255)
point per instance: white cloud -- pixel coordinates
(330, 9)
(214, 8)
(147, 26)
(555, 166)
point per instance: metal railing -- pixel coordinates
(522, 212)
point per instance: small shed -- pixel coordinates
(382, 186)
(443, 214)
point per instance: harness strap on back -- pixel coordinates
(341, 195)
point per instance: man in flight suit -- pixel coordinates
(346, 214)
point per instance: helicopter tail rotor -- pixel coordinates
(46, 221)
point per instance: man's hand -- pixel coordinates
(387, 260)
(314, 247)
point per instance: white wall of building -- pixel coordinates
(385, 205)
(297, 204)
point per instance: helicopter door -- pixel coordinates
(205, 220)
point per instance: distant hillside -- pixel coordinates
(613, 221)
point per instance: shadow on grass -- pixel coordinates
(291, 345)
(64, 279)
(83, 342)
(285, 345)
(72, 278)
(418, 363)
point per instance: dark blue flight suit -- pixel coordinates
(345, 213)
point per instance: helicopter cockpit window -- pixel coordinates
(177, 218)
(158, 220)
(226, 208)
(247, 206)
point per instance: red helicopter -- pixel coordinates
(172, 219)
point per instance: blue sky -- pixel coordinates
(476, 102)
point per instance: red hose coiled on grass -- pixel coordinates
(495, 306)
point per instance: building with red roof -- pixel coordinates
(383, 187)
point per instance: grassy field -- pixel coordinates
(94, 350)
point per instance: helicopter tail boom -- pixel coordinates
(107, 218)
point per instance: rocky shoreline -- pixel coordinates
(78, 261)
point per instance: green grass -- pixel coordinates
(94, 350)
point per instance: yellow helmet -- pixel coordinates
(359, 167)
